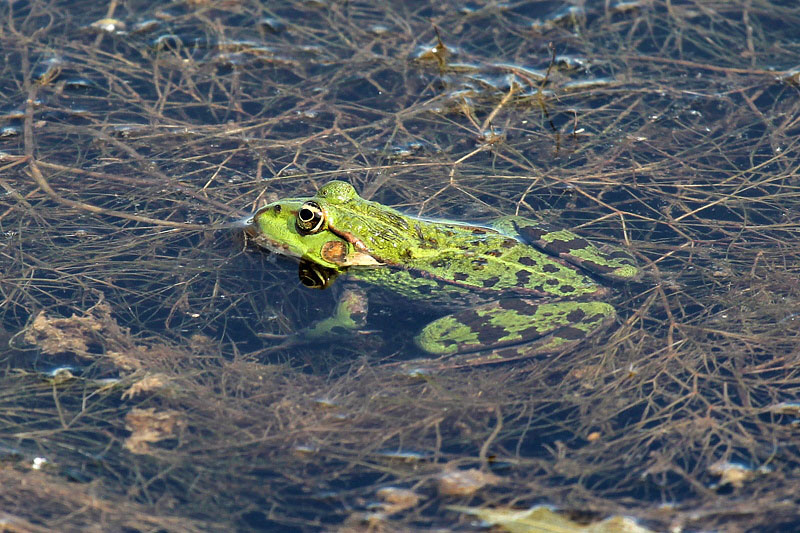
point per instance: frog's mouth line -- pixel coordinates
(275, 247)
(262, 241)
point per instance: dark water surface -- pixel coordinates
(137, 390)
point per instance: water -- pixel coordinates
(669, 127)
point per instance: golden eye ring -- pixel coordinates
(311, 281)
(310, 219)
(315, 276)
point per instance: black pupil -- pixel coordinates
(306, 214)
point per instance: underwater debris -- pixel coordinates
(148, 426)
(396, 499)
(735, 474)
(541, 518)
(148, 383)
(464, 482)
(108, 25)
(61, 335)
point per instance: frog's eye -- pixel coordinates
(310, 218)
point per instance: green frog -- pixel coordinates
(514, 289)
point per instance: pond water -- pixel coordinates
(149, 381)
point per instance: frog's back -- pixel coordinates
(454, 258)
(430, 256)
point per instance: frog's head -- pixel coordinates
(298, 228)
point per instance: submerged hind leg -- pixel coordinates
(517, 327)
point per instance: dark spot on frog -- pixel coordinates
(489, 334)
(559, 247)
(528, 261)
(597, 267)
(460, 276)
(478, 231)
(509, 243)
(551, 282)
(523, 277)
(576, 316)
(531, 232)
(549, 268)
(440, 263)
(520, 305)
(479, 263)
(491, 282)
(570, 333)
(619, 254)
(565, 289)
(470, 317)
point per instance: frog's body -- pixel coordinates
(538, 301)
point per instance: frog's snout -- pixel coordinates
(249, 226)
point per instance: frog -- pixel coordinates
(513, 289)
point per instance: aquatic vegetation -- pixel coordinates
(145, 385)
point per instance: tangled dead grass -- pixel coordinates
(670, 127)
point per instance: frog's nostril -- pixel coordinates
(250, 227)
